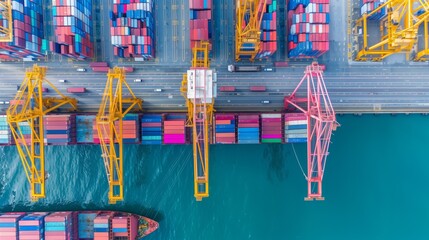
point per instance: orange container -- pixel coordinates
(225, 135)
(218, 122)
(174, 131)
(166, 127)
(174, 123)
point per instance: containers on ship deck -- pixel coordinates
(32, 226)
(174, 129)
(5, 134)
(308, 26)
(225, 128)
(124, 226)
(102, 223)
(28, 32)
(60, 129)
(86, 225)
(130, 129)
(248, 128)
(72, 21)
(268, 31)
(200, 24)
(368, 6)
(151, 128)
(59, 225)
(272, 131)
(84, 131)
(132, 29)
(295, 127)
(9, 226)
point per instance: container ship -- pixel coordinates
(97, 225)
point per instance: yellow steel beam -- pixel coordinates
(112, 109)
(25, 118)
(6, 32)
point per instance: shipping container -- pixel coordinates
(248, 129)
(174, 129)
(84, 129)
(76, 90)
(258, 88)
(225, 127)
(295, 127)
(98, 64)
(227, 89)
(281, 64)
(272, 130)
(60, 129)
(200, 22)
(5, 133)
(128, 69)
(268, 45)
(101, 69)
(151, 128)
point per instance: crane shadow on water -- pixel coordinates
(277, 169)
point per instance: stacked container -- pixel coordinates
(58, 225)
(200, 21)
(174, 129)
(248, 128)
(9, 226)
(124, 227)
(151, 127)
(368, 6)
(102, 227)
(308, 24)
(295, 127)
(26, 131)
(72, 20)
(225, 128)
(28, 35)
(32, 226)
(60, 129)
(84, 131)
(5, 134)
(268, 30)
(86, 225)
(133, 29)
(130, 132)
(271, 128)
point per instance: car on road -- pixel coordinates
(7, 102)
(269, 69)
(62, 80)
(1, 102)
(81, 70)
(265, 101)
(138, 80)
(157, 90)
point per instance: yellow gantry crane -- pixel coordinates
(249, 15)
(114, 106)
(25, 119)
(197, 89)
(398, 30)
(6, 32)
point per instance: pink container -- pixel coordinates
(250, 125)
(179, 136)
(271, 120)
(271, 136)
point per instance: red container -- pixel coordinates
(98, 64)
(227, 89)
(100, 69)
(258, 88)
(76, 90)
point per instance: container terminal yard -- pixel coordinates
(203, 72)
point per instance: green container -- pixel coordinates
(271, 140)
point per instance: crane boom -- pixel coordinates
(112, 110)
(6, 32)
(25, 117)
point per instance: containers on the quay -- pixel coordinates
(26, 131)
(102, 227)
(174, 129)
(258, 88)
(308, 26)
(86, 225)
(225, 128)
(84, 128)
(248, 128)
(200, 23)
(368, 6)
(100, 69)
(295, 127)
(272, 131)
(227, 89)
(32, 226)
(5, 134)
(132, 29)
(59, 225)
(9, 226)
(98, 64)
(268, 45)
(72, 21)
(60, 129)
(28, 31)
(151, 129)
(130, 129)
(76, 90)
(124, 227)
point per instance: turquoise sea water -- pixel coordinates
(376, 186)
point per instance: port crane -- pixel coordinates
(249, 15)
(197, 89)
(6, 32)
(321, 121)
(114, 106)
(25, 118)
(398, 30)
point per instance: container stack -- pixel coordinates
(72, 20)
(368, 6)
(58, 225)
(26, 131)
(225, 128)
(269, 31)
(86, 225)
(271, 128)
(151, 126)
(174, 129)
(308, 24)
(102, 227)
(248, 128)
(32, 226)
(200, 21)
(5, 134)
(124, 227)
(84, 131)
(130, 132)
(28, 35)
(9, 226)
(60, 129)
(133, 29)
(295, 127)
